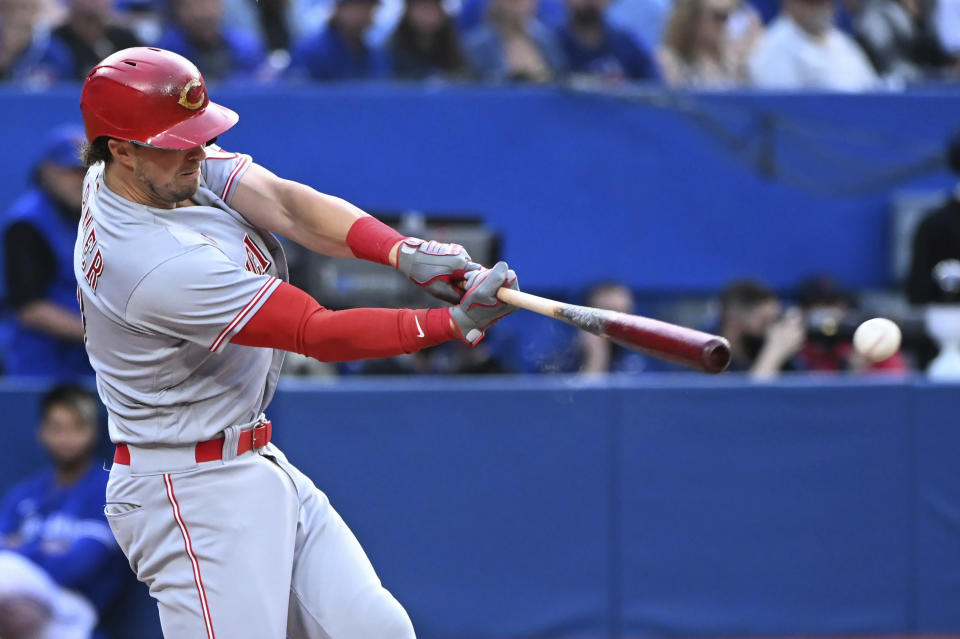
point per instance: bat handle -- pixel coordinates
(527, 301)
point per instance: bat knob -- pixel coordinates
(715, 355)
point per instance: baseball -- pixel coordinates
(877, 339)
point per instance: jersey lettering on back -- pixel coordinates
(94, 270)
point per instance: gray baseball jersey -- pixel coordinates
(162, 292)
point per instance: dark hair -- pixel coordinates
(76, 398)
(443, 52)
(823, 290)
(744, 294)
(98, 151)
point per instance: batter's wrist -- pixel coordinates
(370, 239)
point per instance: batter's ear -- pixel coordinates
(122, 152)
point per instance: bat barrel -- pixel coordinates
(678, 344)
(715, 355)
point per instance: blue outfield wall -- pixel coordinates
(669, 192)
(666, 505)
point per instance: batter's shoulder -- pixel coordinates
(221, 171)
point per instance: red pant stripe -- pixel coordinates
(188, 545)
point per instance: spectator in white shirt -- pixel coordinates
(803, 49)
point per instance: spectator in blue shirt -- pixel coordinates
(26, 54)
(340, 51)
(589, 354)
(426, 43)
(59, 563)
(43, 334)
(594, 46)
(198, 34)
(645, 19)
(514, 46)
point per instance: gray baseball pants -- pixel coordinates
(245, 548)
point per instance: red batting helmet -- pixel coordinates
(153, 97)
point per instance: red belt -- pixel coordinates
(212, 450)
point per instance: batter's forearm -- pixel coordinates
(333, 226)
(293, 321)
(320, 222)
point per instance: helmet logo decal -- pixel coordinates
(192, 95)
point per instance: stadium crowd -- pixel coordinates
(847, 45)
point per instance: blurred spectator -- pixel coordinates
(39, 232)
(707, 43)
(936, 239)
(763, 338)
(828, 346)
(590, 354)
(936, 244)
(59, 563)
(513, 45)
(197, 33)
(899, 39)
(803, 49)
(340, 50)
(644, 19)
(26, 54)
(426, 43)
(946, 23)
(272, 16)
(594, 46)
(89, 35)
(146, 18)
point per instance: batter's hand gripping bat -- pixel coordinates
(685, 346)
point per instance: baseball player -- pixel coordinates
(187, 315)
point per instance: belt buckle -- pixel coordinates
(260, 429)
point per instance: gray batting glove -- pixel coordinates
(480, 308)
(435, 266)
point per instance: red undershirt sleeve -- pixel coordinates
(293, 321)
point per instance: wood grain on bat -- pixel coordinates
(663, 340)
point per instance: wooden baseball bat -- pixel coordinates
(685, 346)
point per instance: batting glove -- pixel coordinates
(480, 308)
(435, 266)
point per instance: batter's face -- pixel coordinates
(169, 177)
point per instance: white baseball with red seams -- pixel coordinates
(239, 547)
(877, 339)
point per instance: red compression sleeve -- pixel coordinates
(371, 239)
(293, 321)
